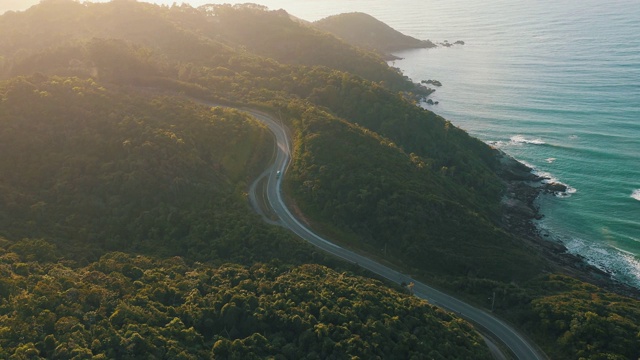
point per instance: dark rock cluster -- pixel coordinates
(446, 43)
(519, 213)
(432, 82)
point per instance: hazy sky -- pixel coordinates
(6, 5)
(19, 5)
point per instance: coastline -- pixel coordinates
(519, 213)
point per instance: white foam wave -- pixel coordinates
(547, 178)
(530, 166)
(515, 140)
(519, 139)
(621, 264)
(497, 143)
(636, 194)
(567, 193)
(634, 268)
(550, 179)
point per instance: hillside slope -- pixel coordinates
(95, 160)
(397, 205)
(188, 34)
(128, 307)
(95, 170)
(365, 31)
(462, 164)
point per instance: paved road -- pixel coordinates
(489, 324)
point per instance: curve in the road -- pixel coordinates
(519, 346)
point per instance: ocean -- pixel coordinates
(556, 84)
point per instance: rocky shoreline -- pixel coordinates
(520, 212)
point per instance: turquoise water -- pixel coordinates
(555, 84)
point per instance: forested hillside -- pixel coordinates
(189, 35)
(128, 307)
(365, 31)
(108, 170)
(397, 204)
(461, 164)
(93, 170)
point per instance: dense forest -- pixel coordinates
(367, 32)
(94, 170)
(131, 307)
(123, 210)
(397, 204)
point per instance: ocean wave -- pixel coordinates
(497, 143)
(622, 265)
(633, 269)
(567, 193)
(519, 139)
(516, 140)
(636, 194)
(547, 178)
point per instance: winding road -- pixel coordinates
(487, 323)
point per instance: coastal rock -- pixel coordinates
(432, 82)
(446, 43)
(519, 213)
(513, 170)
(431, 102)
(518, 207)
(555, 187)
